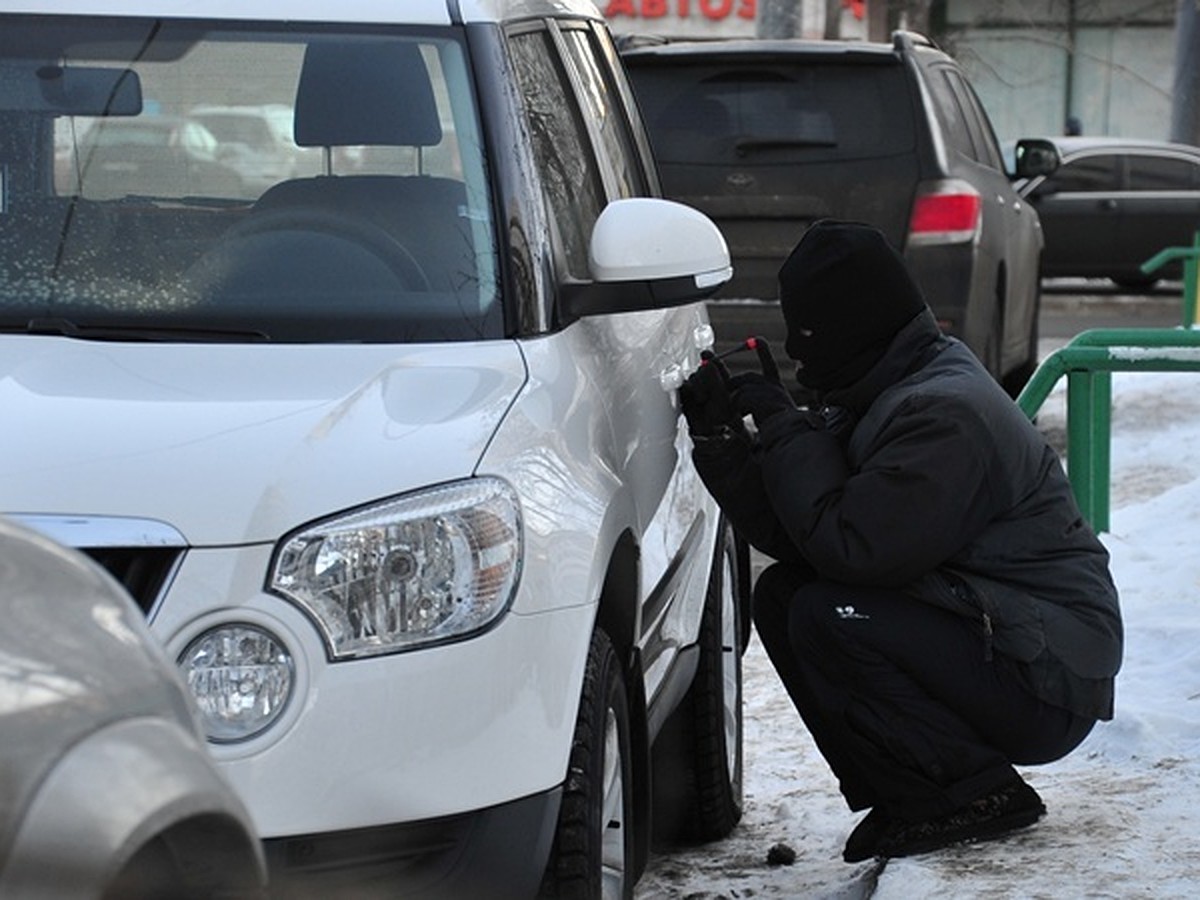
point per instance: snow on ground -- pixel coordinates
(1123, 810)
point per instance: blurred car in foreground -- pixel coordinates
(768, 136)
(106, 786)
(1112, 204)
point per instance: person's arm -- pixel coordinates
(729, 467)
(920, 495)
(726, 457)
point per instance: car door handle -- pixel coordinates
(1108, 205)
(675, 374)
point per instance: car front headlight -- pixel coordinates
(419, 569)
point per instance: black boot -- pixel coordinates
(865, 837)
(1016, 805)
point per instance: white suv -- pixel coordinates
(391, 456)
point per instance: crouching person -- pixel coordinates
(938, 611)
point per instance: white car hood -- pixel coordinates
(234, 444)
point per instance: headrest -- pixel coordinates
(365, 93)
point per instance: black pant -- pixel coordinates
(900, 696)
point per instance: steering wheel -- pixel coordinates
(363, 232)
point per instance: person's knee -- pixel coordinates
(813, 622)
(773, 592)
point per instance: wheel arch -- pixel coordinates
(617, 615)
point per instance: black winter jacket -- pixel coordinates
(939, 486)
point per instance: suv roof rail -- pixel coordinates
(907, 40)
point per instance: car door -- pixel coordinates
(643, 347)
(1020, 237)
(1160, 207)
(588, 155)
(1007, 248)
(1079, 211)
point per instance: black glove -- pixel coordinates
(758, 396)
(761, 395)
(706, 400)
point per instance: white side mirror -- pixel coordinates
(648, 239)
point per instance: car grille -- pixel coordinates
(143, 571)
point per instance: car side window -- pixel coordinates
(611, 133)
(569, 175)
(987, 148)
(1162, 173)
(1091, 173)
(950, 114)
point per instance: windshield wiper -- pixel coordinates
(68, 328)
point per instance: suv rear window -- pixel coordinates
(767, 115)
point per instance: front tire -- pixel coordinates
(593, 852)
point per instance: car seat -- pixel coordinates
(371, 233)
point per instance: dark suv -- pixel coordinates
(767, 136)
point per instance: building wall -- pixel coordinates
(707, 19)
(1034, 62)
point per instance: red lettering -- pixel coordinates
(656, 9)
(716, 9)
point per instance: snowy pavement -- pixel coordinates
(1123, 809)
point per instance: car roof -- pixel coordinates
(400, 12)
(1074, 145)
(641, 50)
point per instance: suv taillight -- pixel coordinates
(945, 212)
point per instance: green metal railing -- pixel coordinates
(1189, 255)
(1088, 362)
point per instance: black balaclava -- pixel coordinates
(845, 293)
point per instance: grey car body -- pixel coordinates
(767, 136)
(1113, 203)
(106, 787)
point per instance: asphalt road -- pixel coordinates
(1070, 306)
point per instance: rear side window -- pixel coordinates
(749, 115)
(1161, 173)
(950, 114)
(984, 147)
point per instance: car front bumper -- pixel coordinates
(499, 852)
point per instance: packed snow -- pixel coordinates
(1123, 814)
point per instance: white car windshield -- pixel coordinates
(197, 180)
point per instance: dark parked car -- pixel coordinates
(1113, 203)
(767, 136)
(107, 790)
